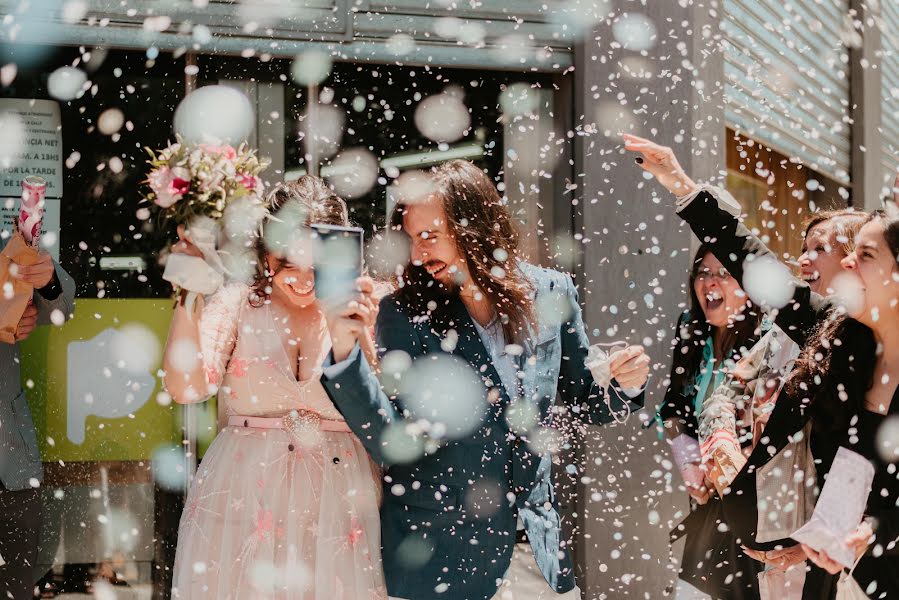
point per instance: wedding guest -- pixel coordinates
(844, 385)
(21, 471)
(285, 502)
(733, 418)
(718, 327)
(475, 516)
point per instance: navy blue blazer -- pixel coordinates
(443, 536)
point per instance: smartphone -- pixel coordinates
(337, 261)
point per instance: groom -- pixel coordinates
(475, 516)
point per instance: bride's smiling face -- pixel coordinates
(293, 285)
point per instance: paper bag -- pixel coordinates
(848, 589)
(14, 294)
(788, 488)
(685, 451)
(726, 464)
(779, 584)
(840, 507)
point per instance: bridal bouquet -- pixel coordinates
(188, 181)
(193, 186)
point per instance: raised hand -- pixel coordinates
(350, 321)
(858, 540)
(661, 163)
(781, 559)
(822, 560)
(184, 245)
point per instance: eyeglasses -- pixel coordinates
(707, 274)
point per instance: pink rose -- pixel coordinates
(169, 185)
(251, 182)
(160, 182)
(180, 186)
(227, 151)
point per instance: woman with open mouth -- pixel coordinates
(718, 327)
(732, 420)
(843, 389)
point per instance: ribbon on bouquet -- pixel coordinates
(195, 274)
(599, 361)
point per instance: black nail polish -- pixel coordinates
(638, 160)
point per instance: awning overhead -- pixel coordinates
(520, 35)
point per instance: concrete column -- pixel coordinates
(633, 268)
(865, 74)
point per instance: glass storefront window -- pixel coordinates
(375, 106)
(778, 194)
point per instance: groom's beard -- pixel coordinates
(452, 286)
(457, 280)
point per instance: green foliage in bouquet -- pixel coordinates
(192, 180)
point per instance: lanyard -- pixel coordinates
(708, 377)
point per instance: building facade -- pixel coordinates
(792, 105)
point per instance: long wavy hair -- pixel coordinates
(695, 331)
(315, 201)
(835, 370)
(485, 236)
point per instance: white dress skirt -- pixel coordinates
(275, 513)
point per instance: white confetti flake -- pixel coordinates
(312, 67)
(768, 282)
(136, 348)
(447, 394)
(635, 32)
(110, 121)
(215, 114)
(442, 117)
(353, 172)
(66, 83)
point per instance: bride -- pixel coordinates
(285, 502)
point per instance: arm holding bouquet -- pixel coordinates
(201, 338)
(194, 186)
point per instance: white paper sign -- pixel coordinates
(37, 139)
(840, 507)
